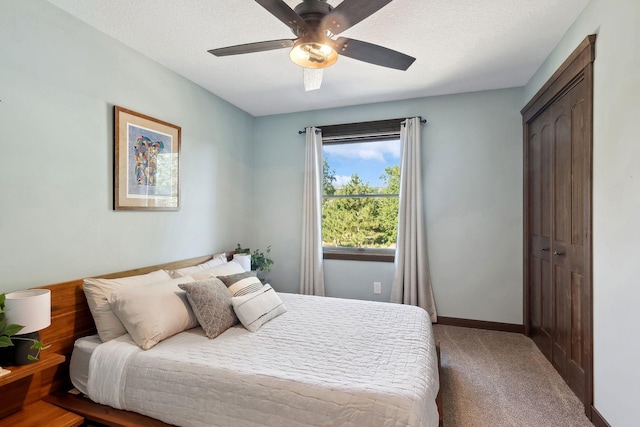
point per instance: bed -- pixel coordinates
(326, 361)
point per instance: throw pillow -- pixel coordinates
(152, 313)
(217, 260)
(231, 267)
(211, 303)
(98, 290)
(242, 283)
(257, 308)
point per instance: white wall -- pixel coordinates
(472, 154)
(616, 198)
(59, 81)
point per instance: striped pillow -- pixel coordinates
(257, 308)
(242, 283)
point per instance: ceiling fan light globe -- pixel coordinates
(326, 49)
(313, 54)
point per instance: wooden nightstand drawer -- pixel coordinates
(40, 414)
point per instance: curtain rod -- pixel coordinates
(300, 132)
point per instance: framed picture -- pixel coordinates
(147, 163)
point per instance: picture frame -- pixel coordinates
(146, 162)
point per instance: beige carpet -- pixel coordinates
(497, 379)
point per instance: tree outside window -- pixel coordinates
(361, 182)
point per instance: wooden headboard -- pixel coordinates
(71, 318)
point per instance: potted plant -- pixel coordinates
(8, 334)
(260, 261)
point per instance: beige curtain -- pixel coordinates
(411, 280)
(311, 275)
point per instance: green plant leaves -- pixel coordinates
(11, 330)
(261, 261)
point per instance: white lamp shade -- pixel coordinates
(244, 260)
(31, 309)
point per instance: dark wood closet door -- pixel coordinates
(539, 193)
(570, 230)
(558, 146)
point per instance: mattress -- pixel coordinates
(80, 358)
(325, 362)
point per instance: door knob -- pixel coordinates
(556, 253)
(545, 249)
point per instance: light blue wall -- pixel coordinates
(59, 81)
(472, 155)
(616, 198)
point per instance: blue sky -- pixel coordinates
(367, 159)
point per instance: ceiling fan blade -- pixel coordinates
(312, 78)
(373, 54)
(349, 13)
(284, 13)
(252, 47)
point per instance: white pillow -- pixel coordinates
(257, 308)
(232, 267)
(98, 290)
(154, 312)
(188, 271)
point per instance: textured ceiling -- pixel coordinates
(460, 46)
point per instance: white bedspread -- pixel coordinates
(326, 362)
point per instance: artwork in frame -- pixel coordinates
(147, 160)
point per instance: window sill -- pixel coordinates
(356, 255)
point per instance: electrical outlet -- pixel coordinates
(377, 287)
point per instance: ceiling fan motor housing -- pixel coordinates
(312, 11)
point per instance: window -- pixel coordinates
(361, 182)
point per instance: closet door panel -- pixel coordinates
(548, 315)
(569, 252)
(561, 172)
(541, 295)
(562, 311)
(578, 174)
(576, 376)
(578, 250)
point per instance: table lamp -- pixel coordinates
(244, 260)
(31, 309)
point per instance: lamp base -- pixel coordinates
(22, 348)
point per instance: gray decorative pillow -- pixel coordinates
(242, 283)
(211, 303)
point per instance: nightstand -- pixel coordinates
(21, 404)
(40, 414)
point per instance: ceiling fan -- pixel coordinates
(316, 25)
